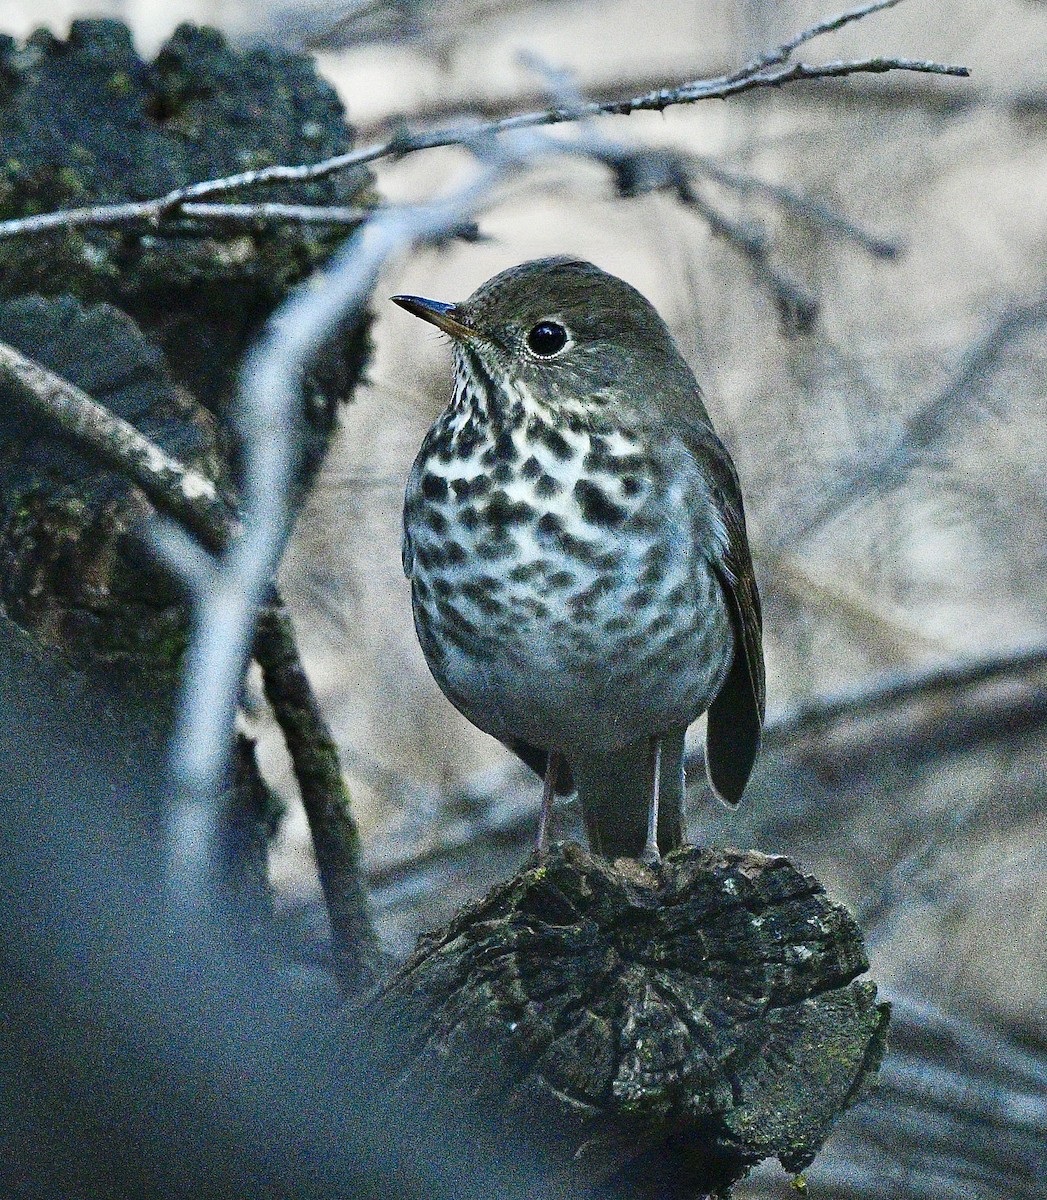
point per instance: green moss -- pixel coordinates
(86, 121)
(119, 83)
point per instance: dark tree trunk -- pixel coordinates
(152, 322)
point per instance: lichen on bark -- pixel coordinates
(151, 321)
(86, 121)
(688, 1019)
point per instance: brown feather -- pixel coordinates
(735, 717)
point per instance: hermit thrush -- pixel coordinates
(576, 547)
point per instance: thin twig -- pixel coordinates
(900, 91)
(770, 70)
(812, 212)
(819, 713)
(193, 500)
(325, 797)
(269, 213)
(797, 308)
(888, 466)
(643, 170)
(829, 25)
(269, 414)
(250, 214)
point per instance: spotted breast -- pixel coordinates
(547, 598)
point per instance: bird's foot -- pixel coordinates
(649, 856)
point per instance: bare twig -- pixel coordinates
(154, 213)
(770, 70)
(325, 797)
(193, 500)
(797, 308)
(905, 91)
(229, 600)
(252, 214)
(173, 488)
(269, 213)
(786, 50)
(805, 208)
(890, 465)
(815, 715)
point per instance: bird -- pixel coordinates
(574, 537)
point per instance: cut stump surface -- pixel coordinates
(680, 1022)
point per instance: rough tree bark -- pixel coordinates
(152, 327)
(658, 1030)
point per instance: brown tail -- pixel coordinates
(615, 793)
(733, 732)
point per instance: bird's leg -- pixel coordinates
(650, 850)
(552, 769)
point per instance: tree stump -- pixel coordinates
(653, 1029)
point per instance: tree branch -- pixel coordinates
(827, 25)
(253, 214)
(797, 308)
(816, 715)
(192, 500)
(805, 208)
(770, 70)
(918, 91)
(173, 488)
(325, 797)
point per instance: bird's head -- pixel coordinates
(562, 333)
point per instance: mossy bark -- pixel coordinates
(655, 1031)
(86, 121)
(150, 321)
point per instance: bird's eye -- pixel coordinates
(547, 339)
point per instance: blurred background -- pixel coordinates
(893, 459)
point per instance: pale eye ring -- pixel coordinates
(546, 339)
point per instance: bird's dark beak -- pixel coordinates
(443, 316)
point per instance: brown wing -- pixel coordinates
(735, 718)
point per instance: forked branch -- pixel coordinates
(187, 497)
(770, 70)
